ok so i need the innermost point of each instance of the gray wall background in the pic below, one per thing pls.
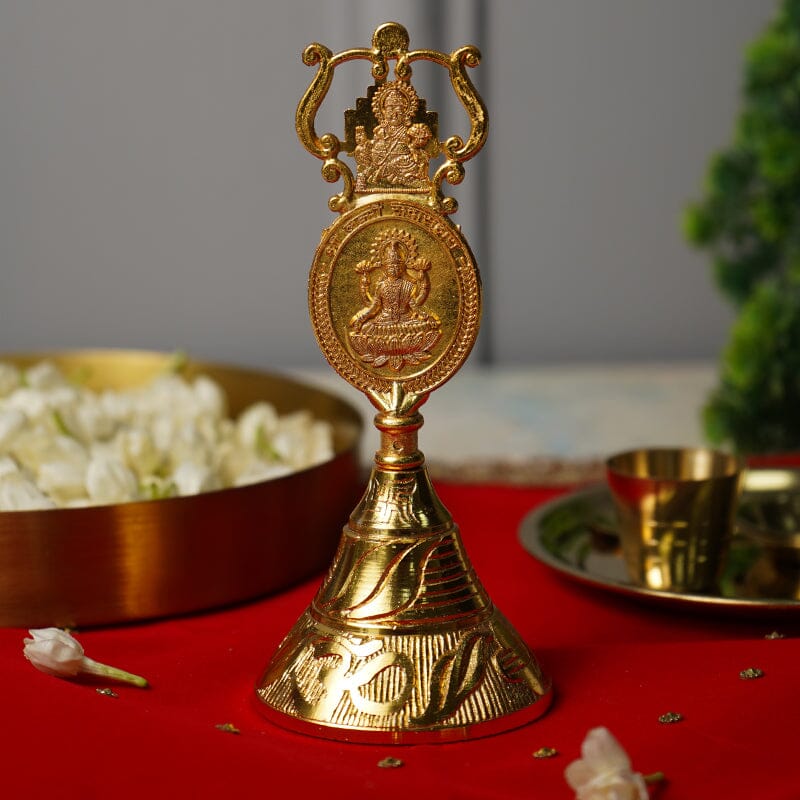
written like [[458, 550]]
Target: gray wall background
[[153, 192]]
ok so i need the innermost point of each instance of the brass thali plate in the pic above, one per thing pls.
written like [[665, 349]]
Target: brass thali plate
[[576, 535], [141, 560]]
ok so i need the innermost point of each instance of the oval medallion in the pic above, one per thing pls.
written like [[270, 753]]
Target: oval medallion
[[394, 296]]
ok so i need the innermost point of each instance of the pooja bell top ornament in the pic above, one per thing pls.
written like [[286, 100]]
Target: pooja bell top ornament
[[401, 642], [394, 292]]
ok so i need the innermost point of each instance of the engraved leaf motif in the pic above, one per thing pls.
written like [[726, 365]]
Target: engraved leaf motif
[[371, 671], [395, 589], [455, 675]]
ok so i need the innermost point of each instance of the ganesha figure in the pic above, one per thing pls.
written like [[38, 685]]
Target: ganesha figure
[[398, 153], [393, 328]]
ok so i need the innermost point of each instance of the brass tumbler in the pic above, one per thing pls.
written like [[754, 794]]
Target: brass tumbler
[[675, 508]]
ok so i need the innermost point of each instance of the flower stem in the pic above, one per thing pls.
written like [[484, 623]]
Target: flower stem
[[96, 668], [654, 777]]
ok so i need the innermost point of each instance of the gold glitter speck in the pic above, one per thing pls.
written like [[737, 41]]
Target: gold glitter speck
[[227, 727], [545, 752], [107, 692], [774, 635], [390, 763], [751, 673], [670, 717]]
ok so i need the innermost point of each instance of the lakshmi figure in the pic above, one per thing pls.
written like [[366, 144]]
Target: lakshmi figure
[[397, 154], [393, 328]]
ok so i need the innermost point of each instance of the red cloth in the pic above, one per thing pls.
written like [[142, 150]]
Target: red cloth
[[614, 662]]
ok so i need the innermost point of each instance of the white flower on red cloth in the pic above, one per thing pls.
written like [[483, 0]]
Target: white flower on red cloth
[[56, 652], [604, 771]]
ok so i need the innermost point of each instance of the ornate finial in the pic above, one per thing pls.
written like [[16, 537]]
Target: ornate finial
[[390, 135]]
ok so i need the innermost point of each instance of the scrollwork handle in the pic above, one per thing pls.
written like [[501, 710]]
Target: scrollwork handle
[[326, 147], [390, 41], [456, 150]]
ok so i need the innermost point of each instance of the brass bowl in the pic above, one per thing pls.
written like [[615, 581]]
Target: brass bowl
[[141, 560]]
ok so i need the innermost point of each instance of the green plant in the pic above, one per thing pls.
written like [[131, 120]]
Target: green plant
[[749, 221]]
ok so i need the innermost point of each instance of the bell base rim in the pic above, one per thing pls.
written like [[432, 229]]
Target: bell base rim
[[442, 734]]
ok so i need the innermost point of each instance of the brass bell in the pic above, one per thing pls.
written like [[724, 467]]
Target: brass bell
[[401, 643]]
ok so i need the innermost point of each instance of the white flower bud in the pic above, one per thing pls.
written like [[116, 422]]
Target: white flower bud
[[118, 405], [191, 478], [56, 652], [232, 460], [112, 449], [162, 429], [209, 397], [139, 451], [258, 471], [10, 378], [12, 421], [44, 375], [189, 444], [31, 402], [171, 392], [296, 440], [17, 493], [290, 446], [108, 481], [256, 421], [8, 466], [93, 421], [78, 502], [62, 480], [604, 771], [39, 446], [33, 446], [60, 396]]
